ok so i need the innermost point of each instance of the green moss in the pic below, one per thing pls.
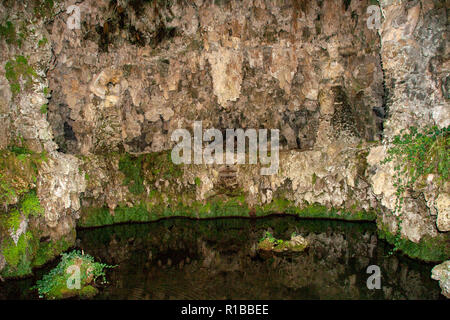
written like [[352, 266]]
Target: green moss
[[44, 108], [19, 69], [47, 251], [42, 42], [44, 8], [197, 181], [18, 256], [132, 169], [88, 292], [428, 249], [282, 205], [159, 165], [14, 219], [18, 172], [94, 217], [147, 167], [8, 32], [155, 207], [7, 192], [61, 282], [29, 252], [30, 205], [314, 178]]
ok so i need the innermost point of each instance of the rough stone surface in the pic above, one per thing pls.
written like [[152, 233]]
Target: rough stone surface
[[332, 178], [443, 216], [136, 71], [59, 186], [442, 273], [247, 64], [415, 53], [415, 58]]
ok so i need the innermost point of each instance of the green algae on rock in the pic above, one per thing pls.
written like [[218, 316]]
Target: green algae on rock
[[441, 273], [296, 244], [18, 172], [214, 208], [20, 239], [22, 213], [75, 275], [431, 249]]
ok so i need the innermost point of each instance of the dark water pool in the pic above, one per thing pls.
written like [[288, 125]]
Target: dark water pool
[[217, 259]]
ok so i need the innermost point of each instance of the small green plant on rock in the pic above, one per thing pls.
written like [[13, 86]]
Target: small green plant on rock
[[8, 32], [17, 69], [269, 243], [131, 167], [18, 172], [416, 154], [44, 108], [31, 205], [42, 42], [75, 275]]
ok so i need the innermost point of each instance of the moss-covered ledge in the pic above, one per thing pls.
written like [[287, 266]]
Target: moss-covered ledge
[[147, 211], [150, 187], [430, 249], [23, 245]]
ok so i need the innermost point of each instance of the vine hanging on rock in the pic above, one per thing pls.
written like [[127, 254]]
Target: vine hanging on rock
[[416, 154]]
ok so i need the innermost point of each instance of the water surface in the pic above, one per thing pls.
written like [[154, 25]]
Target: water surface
[[218, 259]]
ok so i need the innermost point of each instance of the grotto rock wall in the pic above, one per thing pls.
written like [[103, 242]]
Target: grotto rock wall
[[415, 57], [39, 187], [87, 114], [133, 74]]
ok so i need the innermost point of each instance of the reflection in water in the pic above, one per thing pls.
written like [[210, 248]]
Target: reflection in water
[[217, 259]]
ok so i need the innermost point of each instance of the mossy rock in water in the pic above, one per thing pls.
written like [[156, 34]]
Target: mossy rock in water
[[74, 276], [88, 292], [265, 245], [429, 249], [296, 244]]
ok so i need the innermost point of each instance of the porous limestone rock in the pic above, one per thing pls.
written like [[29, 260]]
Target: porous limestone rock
[[262, 63], [59, 186], [136, 71], [443, 215], [441, 273], [413, 39]]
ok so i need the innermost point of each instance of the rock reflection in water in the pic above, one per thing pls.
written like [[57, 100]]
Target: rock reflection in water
[[218, 259]]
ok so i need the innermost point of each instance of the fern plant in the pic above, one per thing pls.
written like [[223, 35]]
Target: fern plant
[[54, 284], [416, 154]]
